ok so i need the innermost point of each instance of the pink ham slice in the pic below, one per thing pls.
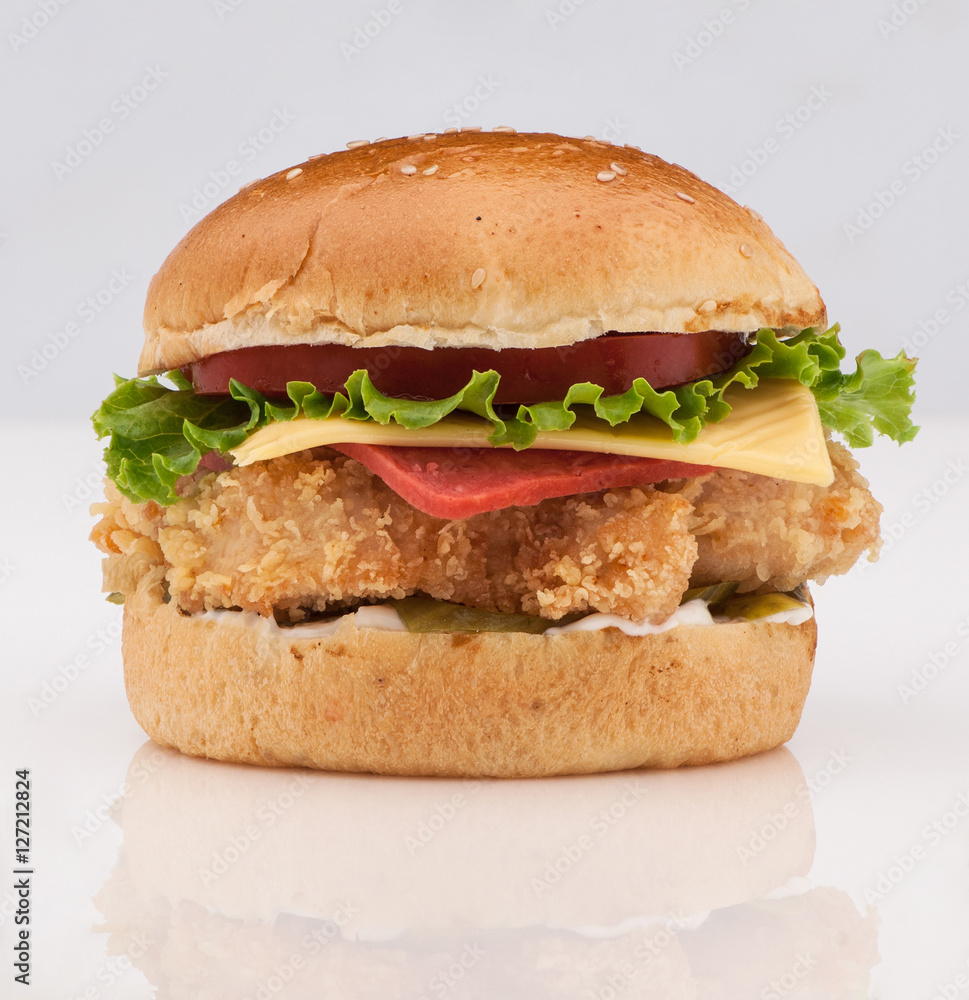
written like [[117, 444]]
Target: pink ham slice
[[455, 483], [212, 461]]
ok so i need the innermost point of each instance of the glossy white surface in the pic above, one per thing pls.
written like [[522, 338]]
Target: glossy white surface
[[813, 113], [156, 869]]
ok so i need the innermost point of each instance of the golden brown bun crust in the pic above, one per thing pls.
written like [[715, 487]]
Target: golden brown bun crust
[[511, 241], [502, 705]]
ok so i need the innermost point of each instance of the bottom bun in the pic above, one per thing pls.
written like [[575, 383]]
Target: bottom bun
[[461, 705]]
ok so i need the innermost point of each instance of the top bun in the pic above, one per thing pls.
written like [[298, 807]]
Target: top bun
[[471, 239]]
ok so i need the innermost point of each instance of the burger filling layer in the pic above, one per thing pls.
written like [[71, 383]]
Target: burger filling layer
[[317, 532]]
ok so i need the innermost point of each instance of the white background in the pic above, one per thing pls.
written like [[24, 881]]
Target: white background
[[728, 98]]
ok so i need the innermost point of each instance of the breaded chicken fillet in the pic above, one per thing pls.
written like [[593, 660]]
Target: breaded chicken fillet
[[316, 531]]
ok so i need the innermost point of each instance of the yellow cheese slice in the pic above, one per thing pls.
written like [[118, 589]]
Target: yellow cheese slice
[[774, 430]]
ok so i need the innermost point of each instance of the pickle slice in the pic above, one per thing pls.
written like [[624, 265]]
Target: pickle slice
[[750, 607], [716, 593], [424, 614]]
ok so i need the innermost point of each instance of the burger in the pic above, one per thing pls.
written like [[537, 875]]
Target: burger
[[483, 454]]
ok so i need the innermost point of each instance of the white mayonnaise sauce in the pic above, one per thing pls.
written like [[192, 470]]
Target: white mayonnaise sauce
[[383, 616]]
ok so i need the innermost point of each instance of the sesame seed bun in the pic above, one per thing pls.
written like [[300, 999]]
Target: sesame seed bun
[[471, 239], [494, 704]]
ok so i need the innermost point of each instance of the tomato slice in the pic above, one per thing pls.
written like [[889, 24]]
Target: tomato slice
[[527, 376]]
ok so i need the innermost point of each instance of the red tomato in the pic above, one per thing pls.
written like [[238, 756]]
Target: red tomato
[[527, 376]]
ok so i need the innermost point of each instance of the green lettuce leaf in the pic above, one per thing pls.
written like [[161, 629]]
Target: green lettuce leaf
[[877, 396], [159, 434]]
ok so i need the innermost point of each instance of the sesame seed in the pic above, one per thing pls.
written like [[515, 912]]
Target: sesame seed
[[416, 135], [383, 138], [316, 156], [295, 172], [408, 169], [707, 307], [430, 136], [756, 215], [470, 128], [453, 128], [504, 128], [355, 143], [477, 279], [605, 175], [619, 169], [685, 197], [558, 152], [589, 138], [629, 145], [745, 250], [430, 170]]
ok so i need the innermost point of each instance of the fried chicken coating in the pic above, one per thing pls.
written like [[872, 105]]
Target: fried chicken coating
[[318, 531], [300, 532], [774, 535]]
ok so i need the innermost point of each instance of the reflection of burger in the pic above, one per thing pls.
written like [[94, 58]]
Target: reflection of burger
[[288, 884], [426, 498]]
